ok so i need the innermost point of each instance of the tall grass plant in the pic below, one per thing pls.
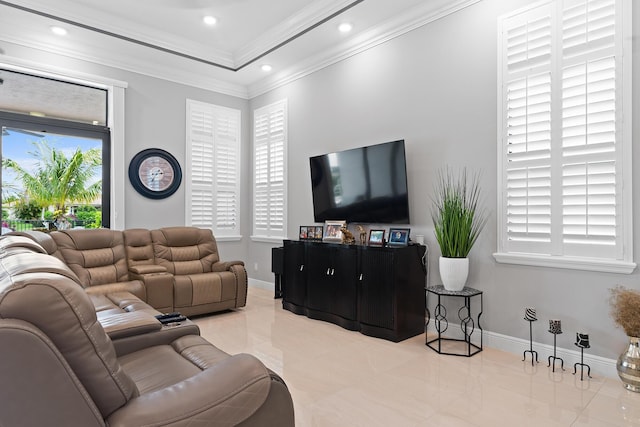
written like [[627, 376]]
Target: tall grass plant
[[457, 217]]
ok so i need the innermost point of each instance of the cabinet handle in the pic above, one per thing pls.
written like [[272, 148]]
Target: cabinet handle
[[332, 271], [302, 267], [328, 271], [360, 277]]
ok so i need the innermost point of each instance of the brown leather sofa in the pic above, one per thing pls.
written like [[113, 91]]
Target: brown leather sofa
[[171, 269], [60, 368]]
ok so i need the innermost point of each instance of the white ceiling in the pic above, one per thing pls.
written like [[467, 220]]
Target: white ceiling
[[168, 39]]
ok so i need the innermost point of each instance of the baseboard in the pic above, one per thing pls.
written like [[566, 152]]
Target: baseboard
[[255, 283], [599, 365]]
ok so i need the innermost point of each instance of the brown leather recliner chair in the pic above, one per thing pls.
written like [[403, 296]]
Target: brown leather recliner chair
[[202, 283], [59, 368]]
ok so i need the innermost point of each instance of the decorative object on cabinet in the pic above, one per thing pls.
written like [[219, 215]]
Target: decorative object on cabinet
[[582, 342], [376, 237], [155, 173], [333, 231], [625, 306], [363, 234], [555, 328], [304, 232], [458, 220], [399, 236], [310, 232], [530, 316], [347, 236]]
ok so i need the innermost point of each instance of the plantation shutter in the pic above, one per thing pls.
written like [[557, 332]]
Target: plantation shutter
[[589, 164], [527, 45], [213, 178], [561, 169], [270, 137]]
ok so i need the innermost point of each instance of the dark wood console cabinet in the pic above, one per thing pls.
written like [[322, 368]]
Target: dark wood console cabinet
[[378, 291]]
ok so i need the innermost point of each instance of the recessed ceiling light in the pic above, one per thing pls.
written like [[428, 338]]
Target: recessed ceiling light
[[210, 20], [345, 27], [266, 68], [59, 31]]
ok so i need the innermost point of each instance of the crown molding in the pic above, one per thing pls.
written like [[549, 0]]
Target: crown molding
[[165, 70], [388, 30], [296, 24], [85, 17]]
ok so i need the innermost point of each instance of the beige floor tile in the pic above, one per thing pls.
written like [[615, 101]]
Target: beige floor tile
[[343, 378]]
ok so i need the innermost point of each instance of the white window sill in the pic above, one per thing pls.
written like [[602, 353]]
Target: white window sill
[[267, 239], [573, 263], [228, 238]]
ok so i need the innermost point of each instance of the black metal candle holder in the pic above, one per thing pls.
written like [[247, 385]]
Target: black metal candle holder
[[582, 342], [555, 328], [530, 316]]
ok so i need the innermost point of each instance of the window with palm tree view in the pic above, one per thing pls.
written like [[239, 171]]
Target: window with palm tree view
[[51, 180]]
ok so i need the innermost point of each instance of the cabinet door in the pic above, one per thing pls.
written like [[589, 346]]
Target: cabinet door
[[377, 289], [345, 286], [320, 286], [294, 279]]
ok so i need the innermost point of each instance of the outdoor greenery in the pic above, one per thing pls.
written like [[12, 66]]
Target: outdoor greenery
[[457, 217], [56, 182]]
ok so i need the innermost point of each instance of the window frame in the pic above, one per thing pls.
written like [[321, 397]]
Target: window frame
[[216, 112], [115, 121], [623, 263], [270, 236]]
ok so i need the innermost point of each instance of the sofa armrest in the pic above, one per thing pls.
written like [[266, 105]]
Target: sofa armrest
[[143, 269], [232, 390], [225, 266], [158, 284], [129, 324]]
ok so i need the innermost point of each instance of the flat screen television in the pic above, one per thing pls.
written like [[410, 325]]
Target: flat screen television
[[366, 185]]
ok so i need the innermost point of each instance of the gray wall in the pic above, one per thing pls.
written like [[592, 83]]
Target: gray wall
[[436, 88]]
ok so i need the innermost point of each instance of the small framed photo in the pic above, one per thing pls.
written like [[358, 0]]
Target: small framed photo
[[399, 236], [332, 231], [304, 232], [318, 232], [376, 237]]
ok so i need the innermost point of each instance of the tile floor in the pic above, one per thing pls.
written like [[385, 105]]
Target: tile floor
[[343, 378]]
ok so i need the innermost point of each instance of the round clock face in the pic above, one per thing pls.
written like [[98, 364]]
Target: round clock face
[[155, 173]]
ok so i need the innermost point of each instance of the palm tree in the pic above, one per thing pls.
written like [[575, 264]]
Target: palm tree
[[58, 180]]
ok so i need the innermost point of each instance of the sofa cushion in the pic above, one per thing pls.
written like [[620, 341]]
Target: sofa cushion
[[185, 250]]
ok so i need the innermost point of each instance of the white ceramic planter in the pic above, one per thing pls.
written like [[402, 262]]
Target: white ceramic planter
[[454, 272]]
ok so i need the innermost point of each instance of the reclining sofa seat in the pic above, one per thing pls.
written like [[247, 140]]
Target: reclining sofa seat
[[202, 283], [59, 359], [98, 258]]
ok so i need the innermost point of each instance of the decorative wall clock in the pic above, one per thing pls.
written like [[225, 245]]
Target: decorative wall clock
[[155, 173]]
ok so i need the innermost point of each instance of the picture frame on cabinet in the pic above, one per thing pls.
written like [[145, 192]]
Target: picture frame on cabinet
[[376, 237], [304, 232], [333, 231], [318, 232], [399, 236]]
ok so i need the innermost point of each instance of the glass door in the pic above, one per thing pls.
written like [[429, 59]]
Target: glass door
[[53, 176]]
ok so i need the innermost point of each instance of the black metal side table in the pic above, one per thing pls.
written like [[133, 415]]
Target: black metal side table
[[467, 323]]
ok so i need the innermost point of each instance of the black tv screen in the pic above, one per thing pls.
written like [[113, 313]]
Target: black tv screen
[[367, 184]]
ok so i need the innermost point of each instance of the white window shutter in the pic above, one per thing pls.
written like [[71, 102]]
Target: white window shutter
[[270, 139], [213, 175], [562, 140]]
